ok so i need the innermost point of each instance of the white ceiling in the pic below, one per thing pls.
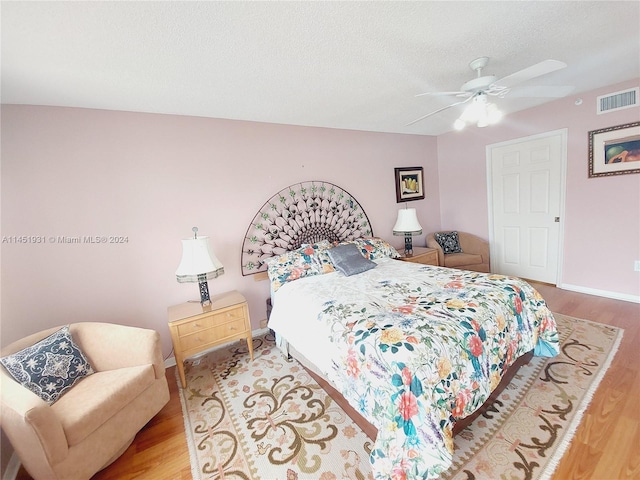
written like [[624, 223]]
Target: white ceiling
[[351, 65]]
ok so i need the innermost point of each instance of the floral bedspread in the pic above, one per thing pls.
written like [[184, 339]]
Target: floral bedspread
[[414, 348]]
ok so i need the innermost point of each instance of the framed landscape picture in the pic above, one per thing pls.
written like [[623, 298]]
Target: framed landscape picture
[[614, 150], [409, 184]]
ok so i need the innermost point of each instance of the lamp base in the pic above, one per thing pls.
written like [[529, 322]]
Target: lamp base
[[408, 246], [205, 300]]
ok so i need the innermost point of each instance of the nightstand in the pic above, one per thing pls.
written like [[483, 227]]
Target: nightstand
[[426, 256], [195, 328]]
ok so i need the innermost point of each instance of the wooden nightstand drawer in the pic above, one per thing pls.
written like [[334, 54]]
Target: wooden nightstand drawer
[[197, 339], [188, 328], [230, 329], [233, 315], [425, 256]]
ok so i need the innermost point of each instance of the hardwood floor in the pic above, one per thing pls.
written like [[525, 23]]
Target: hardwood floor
[[159, 451], [606, 445]]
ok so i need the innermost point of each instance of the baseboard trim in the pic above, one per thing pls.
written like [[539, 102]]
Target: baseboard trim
[[11, 472], [601, 293]]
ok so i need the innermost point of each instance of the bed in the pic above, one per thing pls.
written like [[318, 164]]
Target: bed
[[414, 349]]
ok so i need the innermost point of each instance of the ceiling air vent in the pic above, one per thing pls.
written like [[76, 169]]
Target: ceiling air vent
[[617, 100]]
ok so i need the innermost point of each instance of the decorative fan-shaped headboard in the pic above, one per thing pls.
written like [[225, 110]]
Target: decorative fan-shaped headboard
[[306, 212]]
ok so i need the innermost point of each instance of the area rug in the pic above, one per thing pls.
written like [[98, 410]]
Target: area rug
[[269, 420]]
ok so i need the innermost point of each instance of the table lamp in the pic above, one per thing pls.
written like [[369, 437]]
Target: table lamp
[[198, 264], [407, 225]]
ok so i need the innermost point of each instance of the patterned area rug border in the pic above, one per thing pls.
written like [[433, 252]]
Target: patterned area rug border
[[585, 361], [477, 453], [570, 431], [188, 430]]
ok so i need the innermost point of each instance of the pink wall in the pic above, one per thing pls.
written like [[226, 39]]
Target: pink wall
[[69, 172], [151, 178], [602, 216]]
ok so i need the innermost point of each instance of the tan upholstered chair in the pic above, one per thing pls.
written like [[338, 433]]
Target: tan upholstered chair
[[474, 256], [95, 421]]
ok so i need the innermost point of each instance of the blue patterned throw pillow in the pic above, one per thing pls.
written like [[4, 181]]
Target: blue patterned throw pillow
[[449, 242], [50, 367]]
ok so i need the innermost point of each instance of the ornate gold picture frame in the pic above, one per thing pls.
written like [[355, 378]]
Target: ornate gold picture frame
[[614, 150]]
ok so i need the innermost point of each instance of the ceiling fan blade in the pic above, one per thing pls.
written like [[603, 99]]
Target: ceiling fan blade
[[541, 91], [438, 94], [437, 111], [528, 73]]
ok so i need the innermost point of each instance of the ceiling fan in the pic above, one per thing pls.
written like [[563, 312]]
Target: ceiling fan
[[483, 86]]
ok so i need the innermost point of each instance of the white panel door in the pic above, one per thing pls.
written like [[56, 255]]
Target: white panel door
[[526, 185]]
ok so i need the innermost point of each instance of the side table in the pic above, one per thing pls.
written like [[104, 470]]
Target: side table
[[195, 328]]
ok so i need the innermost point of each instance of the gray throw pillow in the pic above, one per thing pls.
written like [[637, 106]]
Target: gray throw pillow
[[348, 259]]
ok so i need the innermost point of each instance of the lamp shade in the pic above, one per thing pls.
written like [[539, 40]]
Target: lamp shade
[[198, 261], [407, 223]]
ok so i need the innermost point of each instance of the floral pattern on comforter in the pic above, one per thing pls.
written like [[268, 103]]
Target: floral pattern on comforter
[[425, 349]]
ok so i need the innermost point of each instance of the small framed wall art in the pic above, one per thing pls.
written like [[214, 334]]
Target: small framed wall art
[[614, 150], [409, 184]]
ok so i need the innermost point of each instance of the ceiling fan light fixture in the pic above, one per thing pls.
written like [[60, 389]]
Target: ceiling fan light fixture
[[475, 92], [480, 112]]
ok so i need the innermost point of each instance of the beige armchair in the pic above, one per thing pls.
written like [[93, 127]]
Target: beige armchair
[[474, 256], [95, 421]]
